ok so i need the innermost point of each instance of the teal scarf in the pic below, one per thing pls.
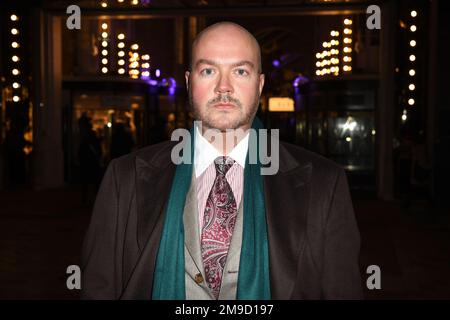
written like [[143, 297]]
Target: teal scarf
[[253, 279]]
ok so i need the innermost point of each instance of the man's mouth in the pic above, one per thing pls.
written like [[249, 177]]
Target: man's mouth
[[222, 105]]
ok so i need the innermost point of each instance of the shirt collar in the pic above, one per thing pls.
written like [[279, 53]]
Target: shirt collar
[[205, 153]]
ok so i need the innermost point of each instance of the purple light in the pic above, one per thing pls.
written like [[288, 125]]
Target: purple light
[[157, 73], [171, 83], [276, 63], [299, 81]]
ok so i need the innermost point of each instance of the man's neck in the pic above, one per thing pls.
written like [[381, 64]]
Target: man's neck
[[224, 142]]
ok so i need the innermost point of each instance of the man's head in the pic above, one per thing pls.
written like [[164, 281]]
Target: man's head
[[225, 80]]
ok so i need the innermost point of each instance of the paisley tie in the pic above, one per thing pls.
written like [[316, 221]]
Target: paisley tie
[[218, 225]]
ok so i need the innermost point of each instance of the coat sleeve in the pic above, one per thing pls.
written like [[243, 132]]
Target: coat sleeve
[[341, 274], [98, 267]]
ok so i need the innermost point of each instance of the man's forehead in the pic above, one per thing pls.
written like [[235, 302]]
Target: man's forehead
[[232, 62], [225, 59]]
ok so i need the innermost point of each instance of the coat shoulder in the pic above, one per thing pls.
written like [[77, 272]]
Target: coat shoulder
[[156, 155], [304, 156]]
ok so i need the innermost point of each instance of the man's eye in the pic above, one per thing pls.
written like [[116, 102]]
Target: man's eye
[[242, 72], [207, 72]]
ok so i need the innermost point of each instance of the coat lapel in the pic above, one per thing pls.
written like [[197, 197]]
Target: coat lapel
[[153, 183], [191, 229], [154, 175], [287, 196]]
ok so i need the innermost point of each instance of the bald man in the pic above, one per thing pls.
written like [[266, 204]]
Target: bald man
[[216, 228]]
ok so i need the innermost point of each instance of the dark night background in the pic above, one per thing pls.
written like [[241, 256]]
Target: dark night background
[[68, 107]]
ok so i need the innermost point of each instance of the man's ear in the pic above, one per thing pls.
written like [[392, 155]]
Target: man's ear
[[261, 82], [186, 76]]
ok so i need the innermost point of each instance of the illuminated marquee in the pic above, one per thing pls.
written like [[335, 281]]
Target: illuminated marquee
[[281, 104]]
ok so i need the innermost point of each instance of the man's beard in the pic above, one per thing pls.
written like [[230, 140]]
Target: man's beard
[[210, 122]]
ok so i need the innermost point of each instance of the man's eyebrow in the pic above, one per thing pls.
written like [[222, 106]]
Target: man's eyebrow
[[235, 64]]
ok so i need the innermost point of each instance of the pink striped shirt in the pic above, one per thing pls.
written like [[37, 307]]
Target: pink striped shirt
[[205, 171]]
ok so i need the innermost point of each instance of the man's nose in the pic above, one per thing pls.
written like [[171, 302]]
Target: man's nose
[[224, 84]]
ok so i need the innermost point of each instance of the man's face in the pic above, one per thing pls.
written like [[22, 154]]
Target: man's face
[[225, 83]]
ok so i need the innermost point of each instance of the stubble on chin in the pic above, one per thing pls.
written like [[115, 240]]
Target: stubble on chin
[[223, 120]]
